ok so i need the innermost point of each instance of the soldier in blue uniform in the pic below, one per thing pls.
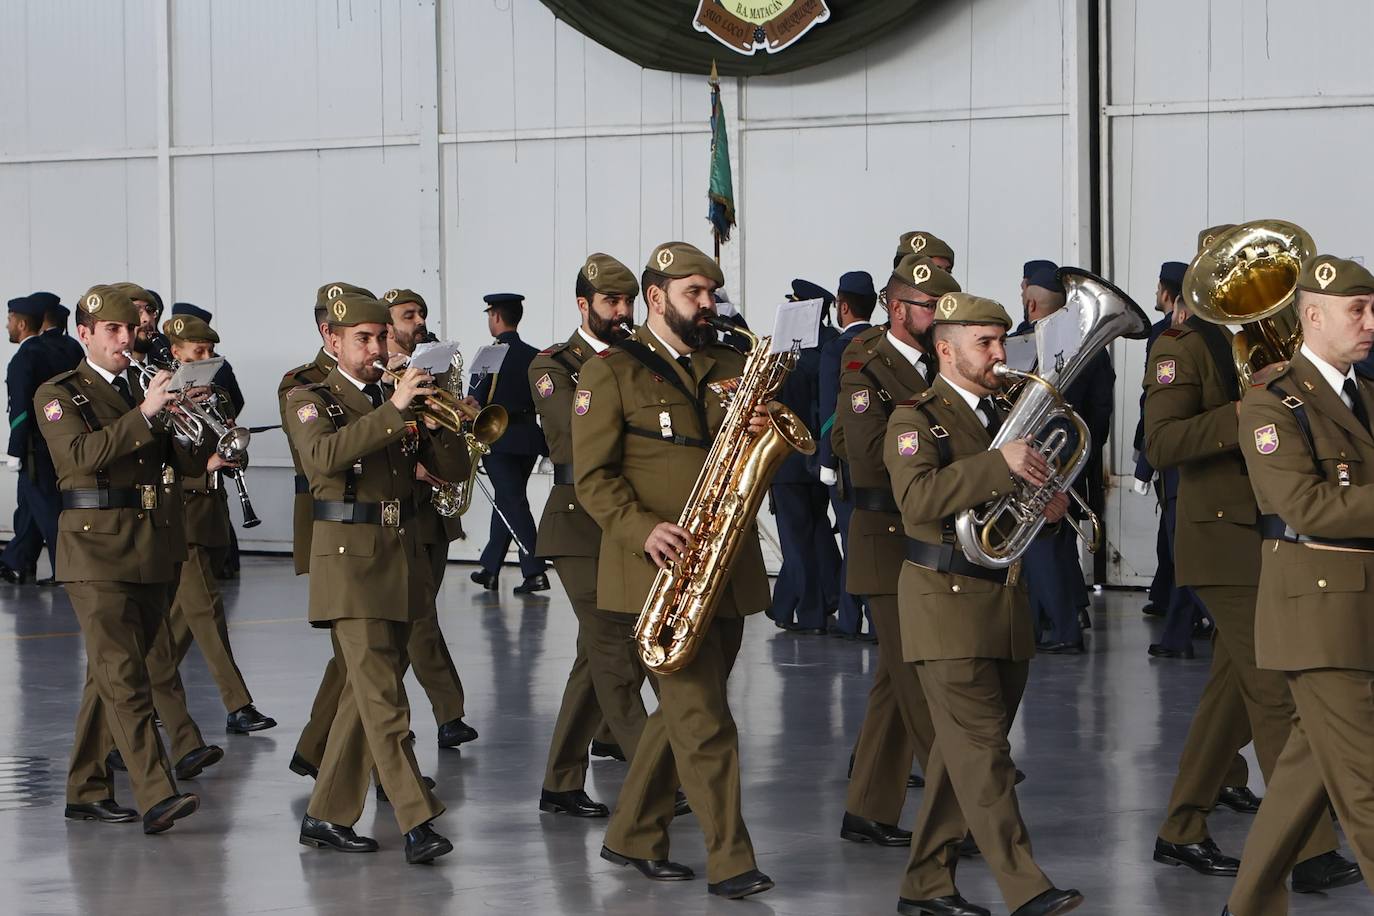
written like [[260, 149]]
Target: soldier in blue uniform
[[64, 349], [515, 454], [807, 587], [855, 300], [35, 515]]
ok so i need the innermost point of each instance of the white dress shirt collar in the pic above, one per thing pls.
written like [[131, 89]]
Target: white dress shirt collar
[[596, 345], [672, 354], [910, 353], [1329, 372]]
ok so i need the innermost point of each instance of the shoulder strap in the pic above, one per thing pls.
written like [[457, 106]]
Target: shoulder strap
[[83, 407], [659, 366], [558, 357], [944, 457], [1220, 350], [336, 414], [884, 397], [1299, 410]]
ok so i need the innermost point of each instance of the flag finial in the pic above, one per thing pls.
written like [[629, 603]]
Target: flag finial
[[715, 77]]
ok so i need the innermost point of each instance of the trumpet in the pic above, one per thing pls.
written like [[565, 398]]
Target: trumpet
[[450, 411]]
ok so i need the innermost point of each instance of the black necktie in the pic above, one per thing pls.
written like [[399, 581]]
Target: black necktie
[[994, 422], [685, 362], [374, 394], [122, 387], [1356, 405]]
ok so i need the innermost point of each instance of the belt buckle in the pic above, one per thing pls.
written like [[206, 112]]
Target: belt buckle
[[1014, 573], [149, 492], [391, 513]]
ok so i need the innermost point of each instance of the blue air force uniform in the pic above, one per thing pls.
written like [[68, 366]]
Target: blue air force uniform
[[38, 504]]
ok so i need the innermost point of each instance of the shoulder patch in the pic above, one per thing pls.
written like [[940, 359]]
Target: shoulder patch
[[908, 444], [52, 411], [544, 385], [1166, 370], [1177, 332], [582, 402], [307, 413], [1269, 373]]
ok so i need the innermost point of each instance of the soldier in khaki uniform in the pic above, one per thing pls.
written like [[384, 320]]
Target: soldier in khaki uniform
[[643, 421], [967, 628], [1191, 406], [881, 367], [369, 576], [116, 556], [924, 245], [197, 609], [604, 683], [1305, 433]]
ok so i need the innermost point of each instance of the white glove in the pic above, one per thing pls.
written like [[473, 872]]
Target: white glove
[[1140, 487], [829, 477], [11, 463]]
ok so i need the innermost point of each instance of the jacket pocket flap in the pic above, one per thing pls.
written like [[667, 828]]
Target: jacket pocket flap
[[1324, 571], [349, 540]]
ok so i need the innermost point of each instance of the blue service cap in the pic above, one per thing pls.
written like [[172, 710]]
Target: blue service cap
[[1030, 267], [1172, 272], [24, 305], [502, 298], [1046, 277], [805, 289], [195, 311], [858, 282], [48, 300]]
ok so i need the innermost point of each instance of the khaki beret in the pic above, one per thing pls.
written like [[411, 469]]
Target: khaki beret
[[331, 291], [679, 259], [609, 277], [107, 303], [189, 327], [1209, 235], [393, 297], [348, 309], [920, 272], [966, 308], [918, 241], [1334, 276], [135, 292]]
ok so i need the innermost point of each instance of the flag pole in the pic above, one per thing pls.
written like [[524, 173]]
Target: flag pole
[[715, 86]]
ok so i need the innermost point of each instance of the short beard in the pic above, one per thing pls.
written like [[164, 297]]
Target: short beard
[[607, 330], [971, 375], [688, 331]]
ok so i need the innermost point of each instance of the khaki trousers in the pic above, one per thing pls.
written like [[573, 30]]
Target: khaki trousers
[[1328, 755], [972, 703]]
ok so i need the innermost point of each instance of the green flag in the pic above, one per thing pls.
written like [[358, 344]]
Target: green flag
[[722, 191]]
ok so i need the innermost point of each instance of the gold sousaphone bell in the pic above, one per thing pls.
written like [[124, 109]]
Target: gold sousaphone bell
[[1249, 276]]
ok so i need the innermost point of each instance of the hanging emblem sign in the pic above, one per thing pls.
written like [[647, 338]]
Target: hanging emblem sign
[[745, 26]]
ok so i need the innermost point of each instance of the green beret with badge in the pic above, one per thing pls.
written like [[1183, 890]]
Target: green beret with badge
[[350, 309], [609, 277], [133, 291], [1334, 276], [395, 297], [331, 291], [676, 260], [919, 272], [108, 303], [918, 241], [966, 308], [189, 328], [1207, 236]]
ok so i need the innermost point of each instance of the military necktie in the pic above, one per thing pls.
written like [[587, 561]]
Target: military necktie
[[374, 394], [1352, 391], [685, 362], [122, 386], [994, 422]]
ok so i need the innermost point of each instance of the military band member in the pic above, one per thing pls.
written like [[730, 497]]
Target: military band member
[[965, 627], [116, 558], [642, 423], [606, 676], [927, 245], [1191, 406], [197, 608], [882, 367], [1307, 443], [369, 576]]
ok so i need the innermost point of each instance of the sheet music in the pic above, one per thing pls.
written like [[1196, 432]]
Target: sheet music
[[487, 360], [434, 357], [797, 324], [195, 375]]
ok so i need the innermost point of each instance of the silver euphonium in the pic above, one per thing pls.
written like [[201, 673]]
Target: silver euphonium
[[1095, 313]]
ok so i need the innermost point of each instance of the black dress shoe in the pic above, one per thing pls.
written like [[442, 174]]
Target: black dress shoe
[[1051, 902], [968, 847], [1203, 629], [1151, 610], [104, 810], [324, 835], [1157, 650], [606, 749], [1325, 872], [915, 782], [751, 882], [175, 807], [576, 803], [455, 732], [49, 582], [857, 829], [190, 766], [247, 719], [485, 579], [381, 793], [1204, 858], [12, 576], [115, 761], [539, 582], [653, 869], [809, 631], [302, 767], [1239, 799], [425, 844], [1061, 648], [681, 807], [953, 905]]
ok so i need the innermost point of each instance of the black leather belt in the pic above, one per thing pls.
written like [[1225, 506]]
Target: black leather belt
[[563, 474], [302, 484], [144, 497], [947, 558], [390, 513], [1273, 528], [874, 499]]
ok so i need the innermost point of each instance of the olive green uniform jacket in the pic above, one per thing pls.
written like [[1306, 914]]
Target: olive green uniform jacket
[[302, 516], [565, 528]]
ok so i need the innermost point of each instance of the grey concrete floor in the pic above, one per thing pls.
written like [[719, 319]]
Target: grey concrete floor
[[1099, 736]]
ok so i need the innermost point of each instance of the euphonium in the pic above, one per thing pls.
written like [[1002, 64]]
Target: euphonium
[[1249, 276], [722, 506], [1095, 313]]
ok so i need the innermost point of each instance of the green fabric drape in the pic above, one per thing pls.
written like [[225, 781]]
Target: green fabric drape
[[658, 34]]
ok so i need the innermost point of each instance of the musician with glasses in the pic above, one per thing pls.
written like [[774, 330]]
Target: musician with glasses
[[965, 627]]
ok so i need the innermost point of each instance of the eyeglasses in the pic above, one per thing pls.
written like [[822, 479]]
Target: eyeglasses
[[888, 303]]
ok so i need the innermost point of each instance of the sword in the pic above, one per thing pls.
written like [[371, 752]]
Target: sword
[[501, 515]]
